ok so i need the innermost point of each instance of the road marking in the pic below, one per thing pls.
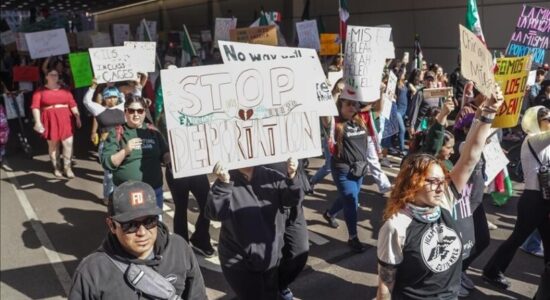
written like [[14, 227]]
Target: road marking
[[45, 242]]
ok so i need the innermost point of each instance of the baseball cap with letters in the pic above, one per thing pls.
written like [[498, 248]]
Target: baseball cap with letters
[[133, 200]]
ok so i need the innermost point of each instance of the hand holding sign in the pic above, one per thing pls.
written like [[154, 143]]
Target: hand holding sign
[[221, 172], [292, 167]]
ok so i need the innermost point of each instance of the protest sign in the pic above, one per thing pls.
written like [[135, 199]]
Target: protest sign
[[47, 43], [532, 78], [333, 77], [391, 124], [308, 36], [144, 55], [314, 83], [243, 114], [146, 31], [121, 33], [364, 61], [11, 108], [443, 92], [495, 159], [512, 76], [532, 34], [206, 36], [25, 73], [21, 42], [81, 69], [113, 64], [476, 62], [222, 29], [389, 95], [101, 39], [330, 44], [7, 37], [264, 35]]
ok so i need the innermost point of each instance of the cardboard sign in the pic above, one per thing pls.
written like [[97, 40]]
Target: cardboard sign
[[47, 43], [333, 77], [389, 95], [21, 42], [364, 61], [206, 36], [308, 35], [113, 64], [15, 107], [330, 44], [314, 84], [512, 76], [81, 69], [121, 33], [438, 92], [532, 34], [25, 73], [495, 159], [222, 29], [243, 114], [476, 62], [101, 39], [264, 35], [7, 37], [144, 55]]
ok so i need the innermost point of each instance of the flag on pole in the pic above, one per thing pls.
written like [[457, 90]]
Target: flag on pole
[[344, 16], [503, 189], [473, 22], [186, 43], [305, 12], [418, 56]]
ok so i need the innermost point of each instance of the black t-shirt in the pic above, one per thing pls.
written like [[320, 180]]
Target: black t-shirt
[[354, 143]]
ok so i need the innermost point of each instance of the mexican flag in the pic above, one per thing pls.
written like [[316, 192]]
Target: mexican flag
[[502, 188], [473, 22], [344, 16], [187, 47]]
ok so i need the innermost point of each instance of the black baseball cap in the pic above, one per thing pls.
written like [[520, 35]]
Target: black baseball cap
[[133, 200]]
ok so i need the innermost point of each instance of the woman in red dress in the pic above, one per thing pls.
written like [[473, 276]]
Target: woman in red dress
[[53, 108]]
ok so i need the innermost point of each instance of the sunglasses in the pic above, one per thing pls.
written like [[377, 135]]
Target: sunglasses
[[133, 111], [133, 226]]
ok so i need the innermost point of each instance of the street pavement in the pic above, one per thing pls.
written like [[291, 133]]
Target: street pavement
[[48, 225]]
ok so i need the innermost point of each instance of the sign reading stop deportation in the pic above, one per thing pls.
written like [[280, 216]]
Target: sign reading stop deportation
[[242, 114], [113, 64], [511, 76]]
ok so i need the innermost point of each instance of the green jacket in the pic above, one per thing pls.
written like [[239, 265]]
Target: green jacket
[[141, 165]]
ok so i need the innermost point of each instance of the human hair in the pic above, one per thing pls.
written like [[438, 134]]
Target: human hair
[[541, 113], [410, 181], [335, 89], [339, 128], [414, 77], [447, 137], [432, 114], [133, 98]]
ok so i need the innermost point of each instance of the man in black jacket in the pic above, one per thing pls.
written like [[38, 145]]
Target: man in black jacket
[[136, 236]]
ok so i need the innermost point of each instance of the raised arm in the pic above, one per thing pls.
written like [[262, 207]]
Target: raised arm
[[94, 108]]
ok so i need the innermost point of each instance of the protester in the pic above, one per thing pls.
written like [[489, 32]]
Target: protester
[[420, 105], [419, 249], [135, 150], [533, 209], [54, 110], [139, 258], [250, 203], [544, 95], [534, 90]]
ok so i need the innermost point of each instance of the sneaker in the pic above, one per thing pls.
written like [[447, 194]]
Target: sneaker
[[205, 250], [286, 294], [491, 225], [393, 152], [499, 280], [356, 245], [463, 292], [385, 162], [331, 220], [466, 282]]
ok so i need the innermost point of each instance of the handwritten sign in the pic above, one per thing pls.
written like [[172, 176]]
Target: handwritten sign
[[121, 33], [308, 35], [476, 62], [47, 43], [206, 36], [146, 31], [144, 55], [81, 69], [113, 64], [333, 77], [330, 44], [21, 42], [101, 39], [314, 84], [264, 35], [25, 73], [495, 159], [243, 114], [222, 29], [512, 76], [532, 34], [389, 95], [7, 37], [364, 61], [438, 92]]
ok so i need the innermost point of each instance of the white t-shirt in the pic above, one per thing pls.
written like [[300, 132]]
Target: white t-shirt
[[541, 144]]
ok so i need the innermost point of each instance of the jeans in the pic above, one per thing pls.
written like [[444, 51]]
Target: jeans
[[402, 131], [108, 185], [349, 189], [325, 169]]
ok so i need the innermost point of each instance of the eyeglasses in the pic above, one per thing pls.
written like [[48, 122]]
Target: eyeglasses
[[133, 111], [134, 225], [435, 183]]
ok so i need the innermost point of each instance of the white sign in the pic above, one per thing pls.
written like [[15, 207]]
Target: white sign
[[389, 95], [21, 42], [532, 78], [141, 31], [7, 37], [144, 55], [47, 43], [243, 114], [11, 109], [206, 36], [333, 77], [308, 35], [314, 84], [113, 64], [101, 39], [223, 26], [495, 159], [476, 62], [365, 57], [121, 33]]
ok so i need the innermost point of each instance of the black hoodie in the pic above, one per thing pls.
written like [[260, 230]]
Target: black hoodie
[[97, 277]]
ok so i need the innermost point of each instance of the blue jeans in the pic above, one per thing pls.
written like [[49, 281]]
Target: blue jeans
[[402, 131], [108, 185], [348, 200], [325, 169]]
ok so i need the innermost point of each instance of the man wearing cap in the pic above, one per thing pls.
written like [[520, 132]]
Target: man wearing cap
[[136, 237], [422, 105]]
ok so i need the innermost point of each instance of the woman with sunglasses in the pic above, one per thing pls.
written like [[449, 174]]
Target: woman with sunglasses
[[135, 150], [533, 211], [419, 247], [54, 110]]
